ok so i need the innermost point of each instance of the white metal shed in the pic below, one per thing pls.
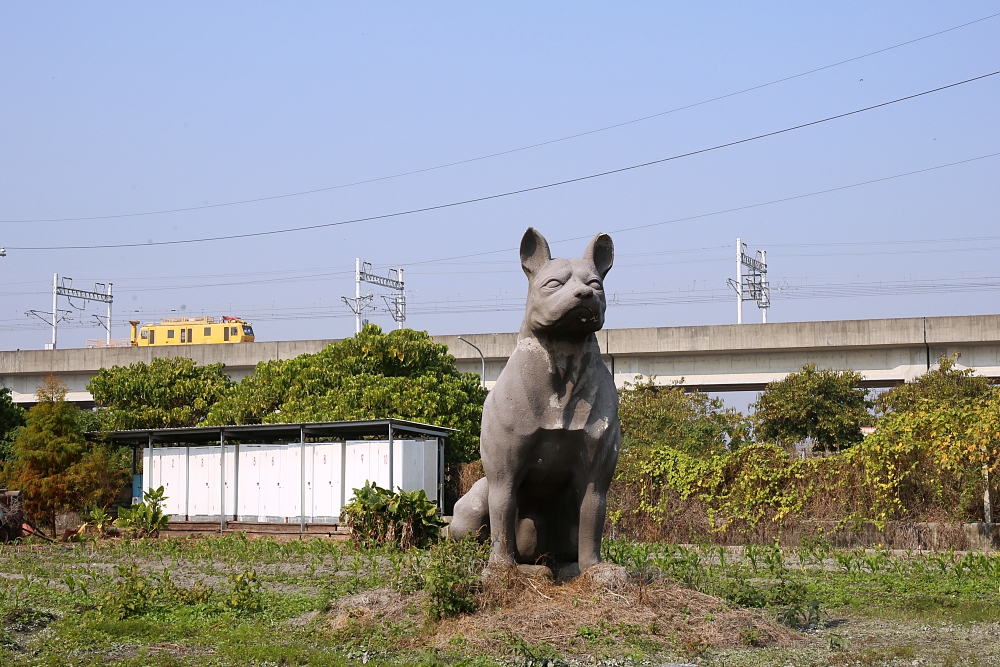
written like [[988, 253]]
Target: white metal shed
[[270, 472]]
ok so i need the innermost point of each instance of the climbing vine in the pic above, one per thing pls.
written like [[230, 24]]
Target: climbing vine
[[935, 450]]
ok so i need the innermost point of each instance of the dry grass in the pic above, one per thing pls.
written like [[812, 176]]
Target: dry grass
[[574, 618], [469, 474]]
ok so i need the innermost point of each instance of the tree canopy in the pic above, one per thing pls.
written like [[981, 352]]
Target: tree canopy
[[826, 405], [402, 374], [166, 393], [52, 463], [944, 384], [668, 416], [11, 417]]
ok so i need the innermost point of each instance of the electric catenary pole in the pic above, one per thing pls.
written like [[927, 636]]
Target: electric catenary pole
[[751, 280], [362, 303], [102, 293]]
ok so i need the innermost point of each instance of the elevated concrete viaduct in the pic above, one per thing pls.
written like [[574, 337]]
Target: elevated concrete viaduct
[[713, 358]]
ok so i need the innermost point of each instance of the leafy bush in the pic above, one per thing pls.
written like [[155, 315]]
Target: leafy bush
[[376, 516], [131, 594], [147, 518], [170, 593], [246, 594], [452, 576]]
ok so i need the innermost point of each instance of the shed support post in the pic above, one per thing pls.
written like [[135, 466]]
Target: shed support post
[[222, 490], [236, 482], [440, 479], [187, 482], [391, 479], [147, 475], [302, 479]]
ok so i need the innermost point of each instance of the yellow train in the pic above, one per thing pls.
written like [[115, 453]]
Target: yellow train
[[192, 330]]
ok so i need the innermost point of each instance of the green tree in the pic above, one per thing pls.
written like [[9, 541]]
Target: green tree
[[668, 416], [166, 393], [11, 418], [826, 405], [54, 466], [944, 384], [402, 374]]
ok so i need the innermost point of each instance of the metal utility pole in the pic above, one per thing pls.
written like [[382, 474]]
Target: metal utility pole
[[395, 304], [55, 308], [110, 299], [766, 291], [751, 285], [739, 282], [359, 304], [357, 294], [106, 323], [101, 293]]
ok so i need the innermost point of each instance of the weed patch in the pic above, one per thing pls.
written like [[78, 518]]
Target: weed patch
[[232, 600]]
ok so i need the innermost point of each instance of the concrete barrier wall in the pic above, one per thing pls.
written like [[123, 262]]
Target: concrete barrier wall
[[717, 357]]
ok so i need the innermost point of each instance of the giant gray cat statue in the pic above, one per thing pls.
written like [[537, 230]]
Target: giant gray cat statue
[[550, 434]]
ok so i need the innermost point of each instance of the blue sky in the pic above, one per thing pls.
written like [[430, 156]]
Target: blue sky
[[118, 108]]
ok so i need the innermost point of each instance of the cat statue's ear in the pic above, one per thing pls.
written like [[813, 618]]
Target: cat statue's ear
[[534, 251], [600, 251]]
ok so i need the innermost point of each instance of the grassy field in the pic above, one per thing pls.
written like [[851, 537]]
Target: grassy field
[[234, 601]]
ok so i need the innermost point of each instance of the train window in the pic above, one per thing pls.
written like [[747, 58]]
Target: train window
[[208, 331], [152, 336], [183, 337], [190, 335], [235, 331], [144, 334], [170, 333], [225, 333], [247, 331]]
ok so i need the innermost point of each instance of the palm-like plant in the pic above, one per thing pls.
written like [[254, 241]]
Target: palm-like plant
[[377, 516]]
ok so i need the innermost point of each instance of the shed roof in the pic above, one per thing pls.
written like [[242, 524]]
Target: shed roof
[[271, 432]]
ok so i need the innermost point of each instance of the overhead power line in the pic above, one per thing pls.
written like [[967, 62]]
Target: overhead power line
[[520, 191], [723, 211], [488, 156], [325, 273]]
